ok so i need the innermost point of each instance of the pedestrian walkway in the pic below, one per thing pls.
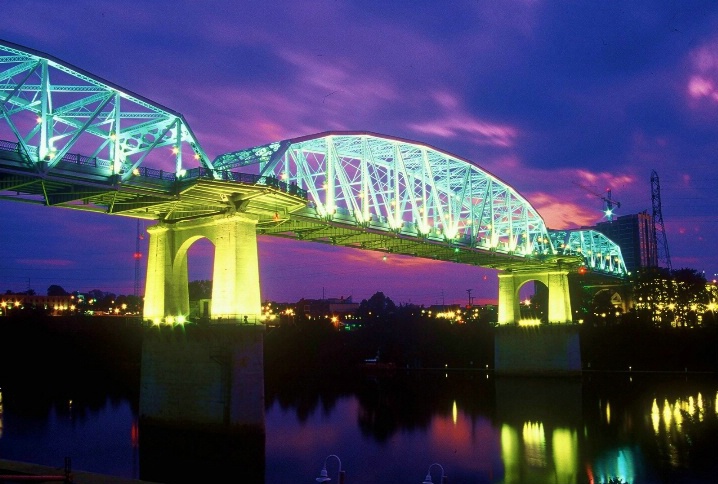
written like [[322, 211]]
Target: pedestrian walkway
[[12, 471]]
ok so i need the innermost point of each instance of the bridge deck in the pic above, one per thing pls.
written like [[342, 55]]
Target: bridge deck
[[281, 210]]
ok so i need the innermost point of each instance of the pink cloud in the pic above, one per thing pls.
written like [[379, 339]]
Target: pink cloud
[[561, 214], [702, 82], [481, 132], [700, 87]]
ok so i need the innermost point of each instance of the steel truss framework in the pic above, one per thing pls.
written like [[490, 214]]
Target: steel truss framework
[[388, 185], [403, 186], [52, 107], [599, 252], [82, 142]]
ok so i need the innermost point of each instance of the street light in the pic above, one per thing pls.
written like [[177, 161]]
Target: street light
[[428, 480], [323, 477]]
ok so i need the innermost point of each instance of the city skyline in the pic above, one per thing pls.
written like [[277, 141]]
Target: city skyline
[[560, 101]]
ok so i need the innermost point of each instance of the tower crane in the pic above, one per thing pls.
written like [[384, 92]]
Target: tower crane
[[609, 202], [659, 231]]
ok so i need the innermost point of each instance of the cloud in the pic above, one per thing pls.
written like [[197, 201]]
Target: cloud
[[702, 82], [479, 132]]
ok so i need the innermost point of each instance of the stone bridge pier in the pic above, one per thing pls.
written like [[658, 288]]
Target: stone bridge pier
[[547, 350], [235, 288], [559, 300]]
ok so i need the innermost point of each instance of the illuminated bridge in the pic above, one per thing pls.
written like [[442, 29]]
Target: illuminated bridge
[[77, 141]]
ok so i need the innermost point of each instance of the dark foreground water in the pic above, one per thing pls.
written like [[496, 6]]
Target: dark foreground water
[[385, 429]]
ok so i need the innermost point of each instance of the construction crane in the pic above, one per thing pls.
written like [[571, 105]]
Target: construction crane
[[609, 202], [659, 231]]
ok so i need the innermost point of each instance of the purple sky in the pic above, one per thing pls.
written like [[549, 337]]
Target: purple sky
[[545, 95]]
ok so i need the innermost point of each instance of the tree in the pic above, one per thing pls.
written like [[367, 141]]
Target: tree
[[690, 292], [201, 289], [55, 290], [378, 307]]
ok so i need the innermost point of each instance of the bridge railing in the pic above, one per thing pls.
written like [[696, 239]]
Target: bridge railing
[[73, 158], [167, 176], [247, 178]]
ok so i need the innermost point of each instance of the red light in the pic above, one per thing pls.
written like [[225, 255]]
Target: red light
[[582, 270], [138, 255]]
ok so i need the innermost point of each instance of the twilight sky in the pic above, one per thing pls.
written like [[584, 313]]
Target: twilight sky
[[546, 95]]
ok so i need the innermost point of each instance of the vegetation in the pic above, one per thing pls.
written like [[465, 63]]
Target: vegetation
[[659, 297]]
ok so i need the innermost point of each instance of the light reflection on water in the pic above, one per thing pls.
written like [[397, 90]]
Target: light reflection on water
[[647, 429]]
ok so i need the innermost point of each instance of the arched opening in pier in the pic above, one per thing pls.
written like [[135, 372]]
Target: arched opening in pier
[[533, 302]]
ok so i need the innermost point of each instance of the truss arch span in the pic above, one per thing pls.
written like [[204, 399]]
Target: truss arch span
[[383, 182], [66, 119]]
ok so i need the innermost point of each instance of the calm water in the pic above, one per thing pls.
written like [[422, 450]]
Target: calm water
[[638, 427]]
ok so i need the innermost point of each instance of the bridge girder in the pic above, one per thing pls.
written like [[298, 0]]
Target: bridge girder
[[303, 225]]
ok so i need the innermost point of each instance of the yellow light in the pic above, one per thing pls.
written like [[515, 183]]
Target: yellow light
[[136, 172], [175, 150], [529, 322], [655, 416], [667, 414]]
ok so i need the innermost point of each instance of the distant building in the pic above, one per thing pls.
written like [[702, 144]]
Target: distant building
[[55, 305], [323, 308], [635, 235]]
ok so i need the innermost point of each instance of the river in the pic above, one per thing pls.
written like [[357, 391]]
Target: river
[[637, 427], [76, 389]]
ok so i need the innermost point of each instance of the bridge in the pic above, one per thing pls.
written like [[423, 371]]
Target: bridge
[[74, 140]]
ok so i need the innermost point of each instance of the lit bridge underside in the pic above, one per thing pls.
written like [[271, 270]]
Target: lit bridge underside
[[80, 142]]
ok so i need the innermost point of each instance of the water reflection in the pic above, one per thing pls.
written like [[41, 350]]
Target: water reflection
[[539, 419], [638, 428], [579, 430]]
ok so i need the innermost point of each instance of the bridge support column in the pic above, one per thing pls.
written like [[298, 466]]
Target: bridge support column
[[235, 287], [509, 310], [559, 300], [159, 268]]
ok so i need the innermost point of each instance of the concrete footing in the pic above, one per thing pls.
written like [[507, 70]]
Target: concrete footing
[[551, 350], [208, 378]]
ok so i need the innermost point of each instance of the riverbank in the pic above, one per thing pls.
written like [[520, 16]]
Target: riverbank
[[12, 471], [113, 346]]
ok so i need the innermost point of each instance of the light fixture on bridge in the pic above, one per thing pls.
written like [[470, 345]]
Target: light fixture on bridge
[[324, 477], [444, 479]]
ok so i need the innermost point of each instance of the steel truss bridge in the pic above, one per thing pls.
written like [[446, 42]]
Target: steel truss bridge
[[75, 140]]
